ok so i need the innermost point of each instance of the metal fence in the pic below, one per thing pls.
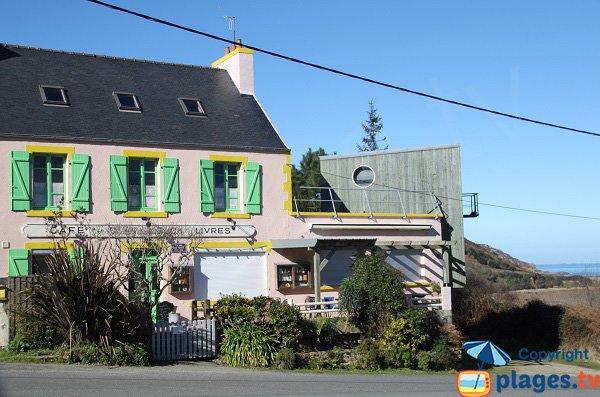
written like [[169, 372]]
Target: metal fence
[[185, 340]]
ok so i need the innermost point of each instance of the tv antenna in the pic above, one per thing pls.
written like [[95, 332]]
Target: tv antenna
[[231, 21]]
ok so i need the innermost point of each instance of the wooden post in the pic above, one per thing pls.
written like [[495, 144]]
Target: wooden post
[[317, 276]]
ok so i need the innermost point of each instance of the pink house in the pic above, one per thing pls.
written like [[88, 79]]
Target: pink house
[[132, 141]]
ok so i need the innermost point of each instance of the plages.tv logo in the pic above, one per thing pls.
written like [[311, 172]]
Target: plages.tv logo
[[479, 383]]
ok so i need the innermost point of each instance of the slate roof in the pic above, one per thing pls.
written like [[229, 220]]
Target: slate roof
[[234, 121]]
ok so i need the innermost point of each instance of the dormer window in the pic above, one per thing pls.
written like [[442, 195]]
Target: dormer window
[[192, 107], [127, 101], [54, 95]]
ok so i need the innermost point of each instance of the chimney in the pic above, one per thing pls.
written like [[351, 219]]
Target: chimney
[[239, 63]]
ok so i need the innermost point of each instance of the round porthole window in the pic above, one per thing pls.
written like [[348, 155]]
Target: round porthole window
[[363, 176]]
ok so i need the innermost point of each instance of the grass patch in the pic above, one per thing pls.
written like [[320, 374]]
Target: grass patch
[[342, 371], [39, 356]]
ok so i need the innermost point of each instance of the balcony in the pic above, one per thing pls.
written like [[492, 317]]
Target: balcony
[[310, 200]]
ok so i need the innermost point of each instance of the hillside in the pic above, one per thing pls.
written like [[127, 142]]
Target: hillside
[[508, 273]]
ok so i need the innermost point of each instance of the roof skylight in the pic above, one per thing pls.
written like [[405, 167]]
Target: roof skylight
[[127, 101], [54, 95], [192, 107]]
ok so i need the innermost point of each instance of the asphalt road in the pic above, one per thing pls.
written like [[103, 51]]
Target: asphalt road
[[207, 379]]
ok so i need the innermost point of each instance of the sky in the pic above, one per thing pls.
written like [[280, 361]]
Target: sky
[[538, 59]]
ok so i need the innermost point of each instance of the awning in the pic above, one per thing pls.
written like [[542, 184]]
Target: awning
[[415, 244], [314, 243], [370, 226]]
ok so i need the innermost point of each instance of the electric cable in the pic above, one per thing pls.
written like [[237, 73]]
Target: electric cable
[[346, 74]]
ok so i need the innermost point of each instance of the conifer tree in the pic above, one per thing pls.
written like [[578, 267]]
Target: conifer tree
[[371, 127]]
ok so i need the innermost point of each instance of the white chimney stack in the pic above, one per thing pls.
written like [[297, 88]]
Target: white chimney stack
[[239, 63]]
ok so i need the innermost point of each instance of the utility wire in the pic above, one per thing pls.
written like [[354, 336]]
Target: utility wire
[[342, 73], [506, 207]]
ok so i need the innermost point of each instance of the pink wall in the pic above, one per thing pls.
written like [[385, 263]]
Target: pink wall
[[274, 223]]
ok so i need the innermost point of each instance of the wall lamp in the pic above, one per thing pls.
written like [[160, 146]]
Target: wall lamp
[[147, 220], [232, 221]]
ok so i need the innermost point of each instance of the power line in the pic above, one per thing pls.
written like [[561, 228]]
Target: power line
[[342, 73], [480, 203]]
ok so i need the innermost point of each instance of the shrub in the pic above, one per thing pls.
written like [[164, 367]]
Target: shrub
[[286, 321], [249, 345], [408, 331], [325, 330], [124, 354], [235, 309], [372, 294], [367, 355], [285, 358], [18, 344]]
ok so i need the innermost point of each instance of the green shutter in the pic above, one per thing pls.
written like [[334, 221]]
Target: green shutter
[[77, 257], [18, 263], [118, 183], [20, 181], [207, 186], [253, 187], [171, 185], [80, 182]]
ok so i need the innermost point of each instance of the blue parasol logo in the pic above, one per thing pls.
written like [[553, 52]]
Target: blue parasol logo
[[486, 352]]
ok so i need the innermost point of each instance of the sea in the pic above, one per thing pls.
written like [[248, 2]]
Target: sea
[[572, 269]]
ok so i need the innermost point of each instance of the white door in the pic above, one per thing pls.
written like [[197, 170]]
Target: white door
[[229, 273]]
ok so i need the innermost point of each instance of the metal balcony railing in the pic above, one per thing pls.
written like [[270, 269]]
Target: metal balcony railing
[[370, 201], [470, 205]]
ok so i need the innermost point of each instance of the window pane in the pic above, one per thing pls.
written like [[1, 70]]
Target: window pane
[[150, 202], [193, 106], [134, 165], [58, 162], [233, 203], [40, 200], [134, 196], [127, 100], [220, 198], [149, 178], [233, 182], [219, 168], [134, 179], [57, 176], [58, 200], [149, 166], [53, 94], [232, 169], [39, 176], [39, 162], [57, 187], [150, 190]]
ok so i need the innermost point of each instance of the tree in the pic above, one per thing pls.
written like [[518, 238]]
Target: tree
[[308, 175], [102, 282], [371, 127]]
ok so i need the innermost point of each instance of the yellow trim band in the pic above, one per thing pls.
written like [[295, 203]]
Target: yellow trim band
[[48, 213], [287, 183], [46, 245], [232, 215], [365, 215], [410, 284], [68, 150], [233, 244], [228, 159], [145, 214], [232, 53], [146, 154]]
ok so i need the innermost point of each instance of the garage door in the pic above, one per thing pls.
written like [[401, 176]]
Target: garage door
[[229, 273]]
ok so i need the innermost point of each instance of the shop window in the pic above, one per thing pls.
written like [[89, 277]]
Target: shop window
[[181, 279], [293, 276]]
